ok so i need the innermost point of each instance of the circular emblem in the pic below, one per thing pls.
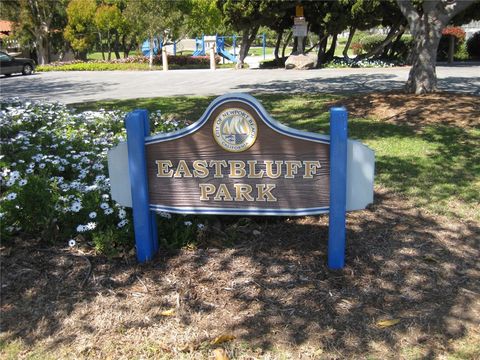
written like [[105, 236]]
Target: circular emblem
[[235, 130]]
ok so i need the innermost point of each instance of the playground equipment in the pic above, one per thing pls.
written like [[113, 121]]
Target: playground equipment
[[157, 46], [202, 43]]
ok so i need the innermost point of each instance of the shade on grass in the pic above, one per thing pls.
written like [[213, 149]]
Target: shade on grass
[[437, 166]]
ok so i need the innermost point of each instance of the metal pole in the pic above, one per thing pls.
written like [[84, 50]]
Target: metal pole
[[143, 220], [263, 45], [338, 187]]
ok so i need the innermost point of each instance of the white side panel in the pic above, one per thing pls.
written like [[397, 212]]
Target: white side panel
[[119, 177], [360, 174]]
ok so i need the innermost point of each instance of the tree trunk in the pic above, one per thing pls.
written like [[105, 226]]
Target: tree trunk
[[451, 48], [422, 77], [101, 46], [150, 60], [116, 46], [41, 52], [351, 33], [331, 52], [426, 28], [394, 45], [277, 44], [247, 39], [286, 44], [322, 47]]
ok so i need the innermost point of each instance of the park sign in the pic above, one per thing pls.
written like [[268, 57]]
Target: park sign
[[237, 160]]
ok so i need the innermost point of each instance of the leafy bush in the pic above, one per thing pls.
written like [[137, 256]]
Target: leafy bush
[[357, 48], [473, 46], [130, 63], [459, 35], [370, 42], [54, 179]]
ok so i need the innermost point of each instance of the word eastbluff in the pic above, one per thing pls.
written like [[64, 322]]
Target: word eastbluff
[[238, 169]]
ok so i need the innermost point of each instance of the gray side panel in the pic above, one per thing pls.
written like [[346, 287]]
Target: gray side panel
[[119, 177], [360, 170]]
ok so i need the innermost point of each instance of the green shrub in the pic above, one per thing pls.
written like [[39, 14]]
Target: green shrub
[[371, 42], [54, 178], [473, 46]]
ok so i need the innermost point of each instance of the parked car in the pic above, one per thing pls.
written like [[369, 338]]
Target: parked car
[[10, 65]]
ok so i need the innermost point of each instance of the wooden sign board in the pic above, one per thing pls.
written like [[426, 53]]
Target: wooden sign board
[[237, 160]]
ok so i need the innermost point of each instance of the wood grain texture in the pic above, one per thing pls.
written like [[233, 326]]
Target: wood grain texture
[[270, 145]]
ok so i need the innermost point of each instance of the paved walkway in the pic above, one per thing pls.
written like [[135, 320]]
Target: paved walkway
[[71, 87]]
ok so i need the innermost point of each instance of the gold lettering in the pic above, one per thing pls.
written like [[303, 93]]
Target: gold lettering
[[269, 169], [200, 169], [182, 168], [251, 170], [264, 192], [292, 168], [218, 164], [242, 192], [206, 190], [223, 193], [311, 168], [162, 168], [237, 169]]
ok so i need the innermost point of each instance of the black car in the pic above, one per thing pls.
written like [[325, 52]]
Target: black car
[[10, 65]]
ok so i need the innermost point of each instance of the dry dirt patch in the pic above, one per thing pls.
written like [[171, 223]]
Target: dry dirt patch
[[272, 292], [438, 108]]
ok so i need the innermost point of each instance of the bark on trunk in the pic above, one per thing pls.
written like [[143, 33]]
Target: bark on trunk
[[277, 44], [116, 46], [351, 33], [426, 27], [422, 77], [286, 44], [331, 52], [321, 50], [247, 39]]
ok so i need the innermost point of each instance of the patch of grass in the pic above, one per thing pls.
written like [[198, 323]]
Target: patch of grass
[[436, 165]]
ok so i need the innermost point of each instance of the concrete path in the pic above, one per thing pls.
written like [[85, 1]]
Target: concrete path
[[71, 87]]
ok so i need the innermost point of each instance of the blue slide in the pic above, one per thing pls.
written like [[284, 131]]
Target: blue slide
[[221, 50]]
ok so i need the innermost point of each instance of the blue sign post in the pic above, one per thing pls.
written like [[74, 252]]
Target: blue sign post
[[267, 169]]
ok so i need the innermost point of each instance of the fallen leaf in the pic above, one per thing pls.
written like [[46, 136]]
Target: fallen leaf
[[222, 338], [220, 354], [430, 258], [386, 323], [169, 312]]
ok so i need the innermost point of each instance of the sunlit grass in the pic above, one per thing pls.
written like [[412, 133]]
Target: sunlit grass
[[437, 166]]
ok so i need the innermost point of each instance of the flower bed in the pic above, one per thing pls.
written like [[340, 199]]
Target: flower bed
[[54, 178], [131, 63]]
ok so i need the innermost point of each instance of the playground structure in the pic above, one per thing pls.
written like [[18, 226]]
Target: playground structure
[[157, 46], [203, 43], [202, 46]]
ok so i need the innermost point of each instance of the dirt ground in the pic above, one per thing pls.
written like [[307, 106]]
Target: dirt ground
[[410, 289]]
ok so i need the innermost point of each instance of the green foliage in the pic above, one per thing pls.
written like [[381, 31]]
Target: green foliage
[[473, 46], [370, 42], [80, 29], [205, 18]]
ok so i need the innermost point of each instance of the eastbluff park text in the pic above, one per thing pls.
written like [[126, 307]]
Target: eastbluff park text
[[238, 169]]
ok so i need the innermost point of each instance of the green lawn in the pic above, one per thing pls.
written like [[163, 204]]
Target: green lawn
[[437, 165]]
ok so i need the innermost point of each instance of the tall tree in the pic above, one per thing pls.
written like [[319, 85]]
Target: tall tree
[[153, 18], [80, 30], [245, 17], [426, 20], [37, 21], [108, 20]]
